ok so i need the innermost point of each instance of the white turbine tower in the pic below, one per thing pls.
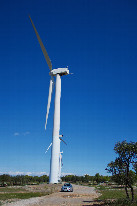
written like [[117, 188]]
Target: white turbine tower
[[55, 162]]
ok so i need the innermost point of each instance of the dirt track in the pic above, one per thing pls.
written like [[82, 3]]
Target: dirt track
[[81, 195]]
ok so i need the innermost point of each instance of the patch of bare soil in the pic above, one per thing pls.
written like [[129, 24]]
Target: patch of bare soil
[[51, 188]]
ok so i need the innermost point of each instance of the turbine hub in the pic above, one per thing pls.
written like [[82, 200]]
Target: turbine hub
[[61, 71]]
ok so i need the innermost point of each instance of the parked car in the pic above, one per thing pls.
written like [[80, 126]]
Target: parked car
[[67, 187]]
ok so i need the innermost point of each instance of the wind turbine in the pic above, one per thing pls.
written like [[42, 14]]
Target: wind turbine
[[55, 162]]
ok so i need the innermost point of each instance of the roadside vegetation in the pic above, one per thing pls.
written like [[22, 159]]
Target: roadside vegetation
[[91, 180], [124, 168], [115, 195], [8, 180]]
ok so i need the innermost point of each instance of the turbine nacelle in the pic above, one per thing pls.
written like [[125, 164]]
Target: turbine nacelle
[[60, 71]]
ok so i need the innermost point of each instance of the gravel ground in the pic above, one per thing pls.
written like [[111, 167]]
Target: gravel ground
[[82, 195]]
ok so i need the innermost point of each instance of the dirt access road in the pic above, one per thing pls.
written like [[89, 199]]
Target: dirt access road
[[82, 195]]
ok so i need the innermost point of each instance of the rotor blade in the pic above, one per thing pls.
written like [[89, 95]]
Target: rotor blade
[[48, 148], [42, 46], [62, 140], [49, 99]]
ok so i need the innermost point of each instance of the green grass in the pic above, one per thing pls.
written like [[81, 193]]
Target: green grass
[[116, 197], [6, 196], [10, 193], [101, 187], [121, 202], [6, 189], [115, 194], [112, 194]]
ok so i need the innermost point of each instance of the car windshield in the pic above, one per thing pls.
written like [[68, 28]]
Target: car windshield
[[67, 184]]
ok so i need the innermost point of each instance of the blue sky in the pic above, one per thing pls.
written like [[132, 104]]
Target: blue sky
[[97, 40]]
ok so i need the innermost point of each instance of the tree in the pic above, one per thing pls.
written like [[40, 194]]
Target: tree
[[98, 178], [5, 178], [120, 168], [86, 178]]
